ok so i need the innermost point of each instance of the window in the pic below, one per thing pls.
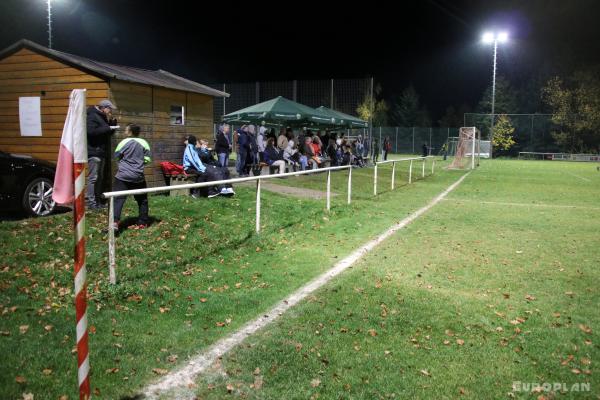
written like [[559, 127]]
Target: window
[[177, 115]]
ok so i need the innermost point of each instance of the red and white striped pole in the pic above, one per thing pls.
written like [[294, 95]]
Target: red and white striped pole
[[83, 361]]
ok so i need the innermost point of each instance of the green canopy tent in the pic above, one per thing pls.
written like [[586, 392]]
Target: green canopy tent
[[342, 119], [280, 111]]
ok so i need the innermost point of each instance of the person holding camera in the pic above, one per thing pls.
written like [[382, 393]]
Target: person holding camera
[[100, 126]]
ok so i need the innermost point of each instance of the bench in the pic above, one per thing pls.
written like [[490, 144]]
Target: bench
[[177, 180]]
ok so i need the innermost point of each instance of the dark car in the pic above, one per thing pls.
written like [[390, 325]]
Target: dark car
[[26, 184]]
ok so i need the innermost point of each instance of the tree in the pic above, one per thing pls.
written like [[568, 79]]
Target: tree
[[575, 105], [454, 118], [374, 109], [505, 101], [503, 133], [406, 110]]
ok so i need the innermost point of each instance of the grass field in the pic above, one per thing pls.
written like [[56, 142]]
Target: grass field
[[499, 283]]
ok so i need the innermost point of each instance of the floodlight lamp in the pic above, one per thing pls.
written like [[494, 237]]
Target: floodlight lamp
[[487, 38], [502, 37]]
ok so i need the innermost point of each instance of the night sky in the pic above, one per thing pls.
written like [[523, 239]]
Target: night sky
[[433, 45]]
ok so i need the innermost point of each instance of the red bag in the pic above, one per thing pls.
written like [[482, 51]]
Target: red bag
[[170, 168]]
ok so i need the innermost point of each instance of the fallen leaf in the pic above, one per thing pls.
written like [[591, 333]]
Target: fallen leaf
[[135, 297], [315, 382], [449, 332], [258, 382], [203, 300], [425, 372], [506, 295], [446, 342], [257, 371], [112, 370], [229, 388], [20, 379], [530, 297], [220, 324], [499, 329], [172, 358], [27, 396], [63, 397], [576, 371], [23, 329], [47, 371], [160, 371], [460, 342], [570, 294], [585, 328], [372, 332], [48, 328]]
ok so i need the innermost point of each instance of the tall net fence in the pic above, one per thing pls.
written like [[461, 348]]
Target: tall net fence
[[344, 95], [533, 132]]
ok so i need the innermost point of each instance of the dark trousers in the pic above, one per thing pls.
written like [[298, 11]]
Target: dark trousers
[[142, 199], [212, 173]]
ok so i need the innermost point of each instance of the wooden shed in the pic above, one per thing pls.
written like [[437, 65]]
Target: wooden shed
[[166, 106]]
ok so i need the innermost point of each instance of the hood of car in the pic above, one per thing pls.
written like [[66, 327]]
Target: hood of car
[[28, 161]]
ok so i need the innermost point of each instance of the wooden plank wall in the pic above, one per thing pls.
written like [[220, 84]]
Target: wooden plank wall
[[150, 107], [26, 73]]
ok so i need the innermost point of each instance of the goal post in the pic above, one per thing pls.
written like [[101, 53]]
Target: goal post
[[466, 148]]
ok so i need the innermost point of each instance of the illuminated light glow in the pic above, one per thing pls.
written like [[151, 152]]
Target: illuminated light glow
[[487, 37], [502, 37]]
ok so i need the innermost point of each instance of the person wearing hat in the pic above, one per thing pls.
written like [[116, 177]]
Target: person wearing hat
[[100, 126]]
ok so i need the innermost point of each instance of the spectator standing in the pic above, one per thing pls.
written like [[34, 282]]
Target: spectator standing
[[100, 126], [223, 145], [132, 153]]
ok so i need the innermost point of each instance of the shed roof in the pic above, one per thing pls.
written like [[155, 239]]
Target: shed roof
[[159, 78]]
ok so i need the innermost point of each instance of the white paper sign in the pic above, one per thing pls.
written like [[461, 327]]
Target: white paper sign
[[30, 116]]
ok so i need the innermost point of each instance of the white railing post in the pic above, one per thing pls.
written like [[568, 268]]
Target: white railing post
[[410, 172], [112, 275], [257, 205], [423, 174], [433, 166], [393, 173], [349, 183], [375, 181], [328, 190]]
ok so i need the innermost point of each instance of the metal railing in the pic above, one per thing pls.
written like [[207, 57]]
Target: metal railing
[[111, 196], [410, 168]]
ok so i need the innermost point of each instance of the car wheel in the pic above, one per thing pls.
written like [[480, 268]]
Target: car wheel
[[37, 199]]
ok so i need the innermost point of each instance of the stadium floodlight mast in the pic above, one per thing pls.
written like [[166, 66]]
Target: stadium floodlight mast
[[49, 6], [494, 38]]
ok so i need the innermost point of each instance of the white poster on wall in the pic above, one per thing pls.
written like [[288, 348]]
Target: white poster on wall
[[30, 116]]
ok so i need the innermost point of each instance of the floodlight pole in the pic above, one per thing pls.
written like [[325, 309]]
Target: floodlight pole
[[493, 96], [49, 24]]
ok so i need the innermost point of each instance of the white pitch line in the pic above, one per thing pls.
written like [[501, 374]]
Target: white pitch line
[[577, 176], [183, 379], [501, 203]]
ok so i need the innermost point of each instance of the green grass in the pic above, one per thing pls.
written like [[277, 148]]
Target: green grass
[[198, 273], [475, 295]]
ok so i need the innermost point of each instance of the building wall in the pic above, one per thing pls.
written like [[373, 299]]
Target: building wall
[[150, 107], [26, 73]]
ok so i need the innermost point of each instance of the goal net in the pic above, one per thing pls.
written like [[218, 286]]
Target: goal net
[[466, 148]]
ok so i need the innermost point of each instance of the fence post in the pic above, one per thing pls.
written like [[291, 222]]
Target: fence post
[[393, 173], [423, 174], [375, 181], [258, 205], [410, 172], [328, 190], [433, 167], [396, 140], [349, 183], [413, 139], [112, 276]]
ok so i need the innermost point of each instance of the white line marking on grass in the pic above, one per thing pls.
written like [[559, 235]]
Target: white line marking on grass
[[500, 203], [577, 176], [183, 379]]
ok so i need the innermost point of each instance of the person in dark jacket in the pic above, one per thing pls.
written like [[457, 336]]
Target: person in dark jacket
[[222, 145], [133, 153], [100, 126], [425, 149], [273, 156]]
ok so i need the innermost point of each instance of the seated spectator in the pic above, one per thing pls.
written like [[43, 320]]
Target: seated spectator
[[291, 155], [282, 140], [192, 164], [309, 152], [273, 157], [357, 153], [332, 153], [206, 155], [347, 157]]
